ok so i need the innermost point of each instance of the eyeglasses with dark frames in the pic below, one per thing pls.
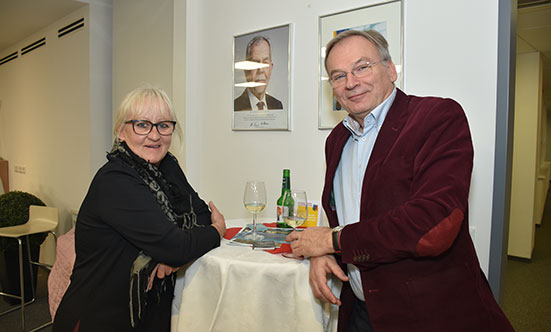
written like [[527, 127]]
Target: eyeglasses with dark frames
[[144, 127]]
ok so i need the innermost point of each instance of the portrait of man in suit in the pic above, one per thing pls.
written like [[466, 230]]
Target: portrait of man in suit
[[255, 98]]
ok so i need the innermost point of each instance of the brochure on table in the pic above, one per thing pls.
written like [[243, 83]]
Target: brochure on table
[[273, 237]]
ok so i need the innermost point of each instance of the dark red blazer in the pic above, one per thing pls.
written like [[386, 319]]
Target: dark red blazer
[[418, 265]]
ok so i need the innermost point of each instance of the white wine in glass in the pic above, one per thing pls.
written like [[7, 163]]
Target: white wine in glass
[[254, 200], [255, 207], [297, 212]]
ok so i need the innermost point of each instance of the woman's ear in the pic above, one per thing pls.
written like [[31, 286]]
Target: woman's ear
[[120, 135]]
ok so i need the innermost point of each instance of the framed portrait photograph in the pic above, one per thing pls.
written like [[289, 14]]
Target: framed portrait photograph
[[261, 79], [386, 19]]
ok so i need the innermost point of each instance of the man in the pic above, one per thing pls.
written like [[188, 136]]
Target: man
[[396, 188], [255, 98]]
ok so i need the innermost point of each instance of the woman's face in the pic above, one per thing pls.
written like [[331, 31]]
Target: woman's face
[[152, 147]]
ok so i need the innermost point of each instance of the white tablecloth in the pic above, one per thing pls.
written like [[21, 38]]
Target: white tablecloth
[[234, 288]]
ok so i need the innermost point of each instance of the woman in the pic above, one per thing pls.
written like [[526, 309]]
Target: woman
[[140, 220]]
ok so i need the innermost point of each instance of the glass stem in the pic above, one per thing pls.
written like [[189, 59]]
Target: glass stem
[[254, 225]]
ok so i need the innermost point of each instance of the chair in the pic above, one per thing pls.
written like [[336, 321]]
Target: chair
[[60, 275], [42, 219]]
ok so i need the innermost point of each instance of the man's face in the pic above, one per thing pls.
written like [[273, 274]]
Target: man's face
[[359, 96], [260, 52]]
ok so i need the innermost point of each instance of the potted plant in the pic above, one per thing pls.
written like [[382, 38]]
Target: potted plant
[[14, 210]]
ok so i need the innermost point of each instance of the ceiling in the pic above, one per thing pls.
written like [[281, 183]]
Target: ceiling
[[534, 34], [21, 18]]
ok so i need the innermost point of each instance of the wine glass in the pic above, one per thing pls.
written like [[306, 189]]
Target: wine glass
[[254, 200], [295, 209]]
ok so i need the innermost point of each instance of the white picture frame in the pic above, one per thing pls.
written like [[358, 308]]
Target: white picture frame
[[278, 90], [386, 18]]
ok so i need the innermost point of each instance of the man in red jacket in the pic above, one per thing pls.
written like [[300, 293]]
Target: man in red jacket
[[396, 190]]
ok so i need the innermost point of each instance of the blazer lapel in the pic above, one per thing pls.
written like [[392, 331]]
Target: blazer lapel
[[341, 135], [342, 138], [394, 122]]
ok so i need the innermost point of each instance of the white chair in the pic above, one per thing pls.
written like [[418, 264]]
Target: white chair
[[42, 219]]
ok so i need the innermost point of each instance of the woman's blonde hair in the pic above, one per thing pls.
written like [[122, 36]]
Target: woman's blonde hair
[[143, 99]]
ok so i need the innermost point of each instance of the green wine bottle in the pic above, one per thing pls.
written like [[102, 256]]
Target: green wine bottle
[[285, 186]]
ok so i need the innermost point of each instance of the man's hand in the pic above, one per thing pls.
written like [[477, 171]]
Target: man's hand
[[217, 219], [311, 242], [320, 268]]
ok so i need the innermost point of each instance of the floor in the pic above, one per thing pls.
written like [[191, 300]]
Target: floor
[[527, 298], [36, 313]]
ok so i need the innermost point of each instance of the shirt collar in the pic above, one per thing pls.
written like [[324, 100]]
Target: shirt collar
[[378, 115], [255, 100]]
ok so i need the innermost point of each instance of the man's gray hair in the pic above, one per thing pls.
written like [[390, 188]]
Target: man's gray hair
[[254, 41], [373, 36]]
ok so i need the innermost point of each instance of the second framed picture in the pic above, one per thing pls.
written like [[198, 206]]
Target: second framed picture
[[386, 19], [261, 79]]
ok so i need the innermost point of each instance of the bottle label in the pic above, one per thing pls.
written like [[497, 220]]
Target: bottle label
[[282, 211], [279, 212], [286, 183]]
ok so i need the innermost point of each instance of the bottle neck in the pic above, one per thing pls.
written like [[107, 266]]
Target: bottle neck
[[286, 185]]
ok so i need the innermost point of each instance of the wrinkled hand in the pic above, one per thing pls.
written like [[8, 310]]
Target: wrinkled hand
[[217, 219], [320, 268], [311, 242], [160, 271]]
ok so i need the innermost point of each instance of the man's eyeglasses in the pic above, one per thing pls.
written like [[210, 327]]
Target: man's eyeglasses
[[144, 127], [363, 69]]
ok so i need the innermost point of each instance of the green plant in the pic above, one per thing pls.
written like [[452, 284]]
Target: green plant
[[14, 210]]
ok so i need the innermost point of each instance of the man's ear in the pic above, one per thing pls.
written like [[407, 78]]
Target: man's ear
[[391, 69]]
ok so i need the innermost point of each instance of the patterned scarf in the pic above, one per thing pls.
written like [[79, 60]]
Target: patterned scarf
[[143, 265]]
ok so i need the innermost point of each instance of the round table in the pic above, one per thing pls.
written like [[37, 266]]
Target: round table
[[234, 288]]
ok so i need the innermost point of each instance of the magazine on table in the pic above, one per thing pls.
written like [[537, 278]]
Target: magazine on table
[[273, 237]]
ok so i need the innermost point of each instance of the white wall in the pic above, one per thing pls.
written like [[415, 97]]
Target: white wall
[[142, 46], [450, 50], [525, 194], [100, 52], [143, 51], [53, 112], [45, 126]]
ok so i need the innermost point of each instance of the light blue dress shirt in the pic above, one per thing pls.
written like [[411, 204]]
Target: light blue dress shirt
[[349, 176]]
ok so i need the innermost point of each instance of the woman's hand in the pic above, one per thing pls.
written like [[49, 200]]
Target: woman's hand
[[160, 271], [217, 219]]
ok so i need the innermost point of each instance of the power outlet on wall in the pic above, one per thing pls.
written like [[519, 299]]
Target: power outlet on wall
[[21, 169]]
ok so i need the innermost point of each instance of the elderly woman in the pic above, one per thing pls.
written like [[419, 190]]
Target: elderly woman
[[140, 220]]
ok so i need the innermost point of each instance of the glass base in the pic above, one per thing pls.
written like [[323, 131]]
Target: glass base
[[253, 236], [291, 255]]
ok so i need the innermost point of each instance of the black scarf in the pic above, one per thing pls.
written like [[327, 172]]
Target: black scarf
[[173, 208]]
